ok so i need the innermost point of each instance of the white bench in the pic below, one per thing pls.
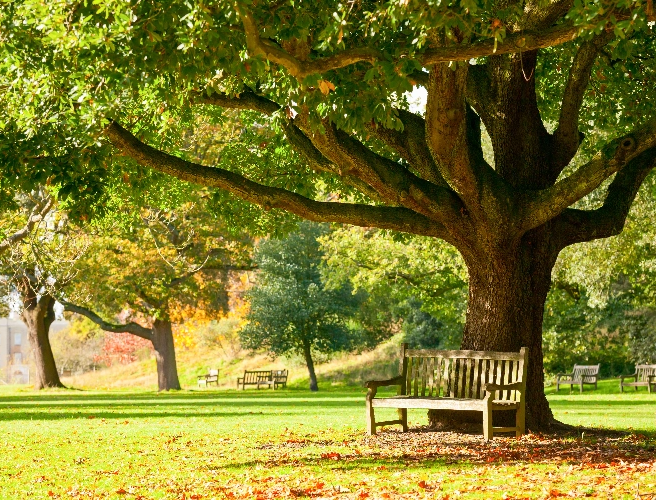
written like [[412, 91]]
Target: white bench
[[211, 378]]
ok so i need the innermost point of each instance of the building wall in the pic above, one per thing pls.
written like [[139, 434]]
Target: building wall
[[15, 349]]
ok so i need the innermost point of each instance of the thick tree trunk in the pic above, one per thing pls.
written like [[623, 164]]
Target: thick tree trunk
[[507, 293], [310, 366], [167, 369], [38, 314]]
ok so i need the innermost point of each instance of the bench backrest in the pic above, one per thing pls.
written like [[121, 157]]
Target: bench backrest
[[279, 375], [460, 374], [586, 372], [251, 377], [214, 373], [643, 372]]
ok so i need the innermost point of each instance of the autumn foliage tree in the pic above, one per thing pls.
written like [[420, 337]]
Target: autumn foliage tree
[[564, 90], [164, 268]]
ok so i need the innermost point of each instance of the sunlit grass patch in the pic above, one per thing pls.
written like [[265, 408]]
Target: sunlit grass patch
[[295, 444]]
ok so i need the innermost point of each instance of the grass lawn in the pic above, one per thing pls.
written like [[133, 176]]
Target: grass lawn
[[294, 444]]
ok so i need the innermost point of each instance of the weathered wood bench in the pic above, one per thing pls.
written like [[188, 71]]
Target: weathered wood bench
[[275, 379], [581, 374], [212, 377], [253, 377], [645, 375], [455, 380]]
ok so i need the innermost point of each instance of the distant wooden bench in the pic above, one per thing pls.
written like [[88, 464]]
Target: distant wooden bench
[[581, 374], [211, 378], [275, 379], [455, 380], [645, 375]]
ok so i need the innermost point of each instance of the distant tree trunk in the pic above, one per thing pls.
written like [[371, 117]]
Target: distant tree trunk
[[310, 366], [38, 314], [167, 369]]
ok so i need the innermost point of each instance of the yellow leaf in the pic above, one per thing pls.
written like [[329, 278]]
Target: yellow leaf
[[325, 86]]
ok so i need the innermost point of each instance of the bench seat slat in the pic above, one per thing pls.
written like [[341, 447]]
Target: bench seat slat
[[439, 403], [430, 403]]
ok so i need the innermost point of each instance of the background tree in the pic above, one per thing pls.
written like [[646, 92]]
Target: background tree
[[291, 310], [329, 80], [167, 267], [38, 260]]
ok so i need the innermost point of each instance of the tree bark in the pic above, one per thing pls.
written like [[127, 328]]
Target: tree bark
[[38, 314], [167, 369], [507, 292], [310, 366]]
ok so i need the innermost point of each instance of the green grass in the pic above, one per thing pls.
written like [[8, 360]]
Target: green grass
[[295, 444]]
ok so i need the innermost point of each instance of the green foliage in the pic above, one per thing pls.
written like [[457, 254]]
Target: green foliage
[[68, 68], [423, 331], [291, 308], [575, 332], [405, 272]]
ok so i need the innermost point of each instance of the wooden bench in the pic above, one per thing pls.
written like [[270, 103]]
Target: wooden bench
[[581, 374], [275, 379], [645, 375], [253, 377], [455, 380], [212, 377]]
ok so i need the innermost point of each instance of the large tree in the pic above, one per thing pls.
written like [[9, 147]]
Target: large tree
[[535, 75]]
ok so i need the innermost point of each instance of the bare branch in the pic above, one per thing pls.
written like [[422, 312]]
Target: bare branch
[[515, 42], [394, 182], [245, 100], [38, 213], [544, 205], [399, 219], [133, 328], [410, 143], [566, 136]]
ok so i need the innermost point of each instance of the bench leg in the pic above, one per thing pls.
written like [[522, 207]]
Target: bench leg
[[487, 424], [520, 420], [581, 388], [403, 417], [371, 419]]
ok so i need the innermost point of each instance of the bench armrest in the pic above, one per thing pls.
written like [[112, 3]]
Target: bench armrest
[[503, 387], [202, 377], [622, 377], [570, 375], [375, 384]]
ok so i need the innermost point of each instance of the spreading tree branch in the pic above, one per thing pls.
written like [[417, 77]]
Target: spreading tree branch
[[540, 206], [515, 42], [133, 328], [399, 219], [297, 68], [566, 136], [410, 143], [38, 213], [577, 226]]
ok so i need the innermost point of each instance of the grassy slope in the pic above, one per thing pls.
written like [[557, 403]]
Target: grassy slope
[[347, 369]]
